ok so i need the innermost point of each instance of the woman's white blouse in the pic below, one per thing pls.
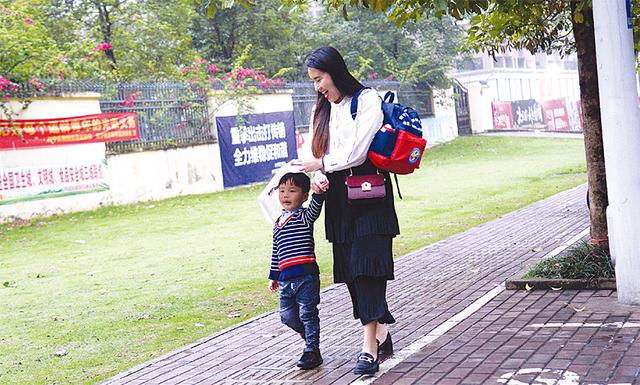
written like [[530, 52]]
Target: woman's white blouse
[[349, 139]]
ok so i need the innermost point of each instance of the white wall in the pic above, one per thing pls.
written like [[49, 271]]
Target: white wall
[[441, 127], [132, 177]]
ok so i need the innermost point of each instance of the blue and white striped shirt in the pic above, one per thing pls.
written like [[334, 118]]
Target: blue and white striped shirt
[[293, 252]]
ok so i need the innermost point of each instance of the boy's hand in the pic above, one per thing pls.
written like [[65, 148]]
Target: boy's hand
[[273, 286], [319, 183]]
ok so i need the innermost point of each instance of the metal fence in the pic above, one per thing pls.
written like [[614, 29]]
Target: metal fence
[[170, 115], [174, 114], [418, 96]]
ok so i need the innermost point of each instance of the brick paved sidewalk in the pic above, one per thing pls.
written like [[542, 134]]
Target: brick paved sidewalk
[[496, 344]]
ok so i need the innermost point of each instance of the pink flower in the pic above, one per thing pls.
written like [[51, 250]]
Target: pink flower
[[104, 46], [213, 68], [129, 99], [180, 125], [36, 83], [372, 76], [60, 75], [390, 77], [28, 21]]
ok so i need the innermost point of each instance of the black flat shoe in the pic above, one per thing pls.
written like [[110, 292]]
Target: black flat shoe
[[310, 360], [385, 348], [366, 364]]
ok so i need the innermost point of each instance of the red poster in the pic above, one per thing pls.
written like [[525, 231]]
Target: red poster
[[556, 117], [107, 127], [502, 115]]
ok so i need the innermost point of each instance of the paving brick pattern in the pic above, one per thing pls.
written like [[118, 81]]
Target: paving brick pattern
[[433, 284]]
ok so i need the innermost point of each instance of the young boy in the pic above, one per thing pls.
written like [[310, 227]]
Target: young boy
[[293, 264]]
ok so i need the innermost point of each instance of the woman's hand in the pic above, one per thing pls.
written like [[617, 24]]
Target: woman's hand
[[308, 164], [319, 183]]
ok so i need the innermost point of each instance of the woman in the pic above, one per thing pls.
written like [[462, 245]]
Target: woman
[[361, 234]]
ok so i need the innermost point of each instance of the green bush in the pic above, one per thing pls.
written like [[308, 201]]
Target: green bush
[[582, 261]]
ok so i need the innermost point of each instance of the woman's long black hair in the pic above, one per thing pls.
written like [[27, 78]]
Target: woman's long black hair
[[329, 60]]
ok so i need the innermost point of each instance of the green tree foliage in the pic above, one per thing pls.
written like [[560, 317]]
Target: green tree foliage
[[517, 24], [278, 35], [120, 39], [400, 11], [422, 50], [26, 49]]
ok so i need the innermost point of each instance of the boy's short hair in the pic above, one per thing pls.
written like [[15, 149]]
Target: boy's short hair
[[297, 179]]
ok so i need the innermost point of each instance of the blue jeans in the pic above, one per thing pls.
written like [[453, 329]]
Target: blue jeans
[[299, 299]]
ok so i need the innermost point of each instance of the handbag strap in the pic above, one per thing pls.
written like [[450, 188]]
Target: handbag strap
[[351, 171], [395, 176]]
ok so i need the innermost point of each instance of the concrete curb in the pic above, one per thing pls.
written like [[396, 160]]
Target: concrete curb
[[561, 284]]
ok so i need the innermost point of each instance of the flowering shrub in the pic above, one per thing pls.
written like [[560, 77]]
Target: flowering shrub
[[7, 88], [104, 46], [204, 73], [237, 85]]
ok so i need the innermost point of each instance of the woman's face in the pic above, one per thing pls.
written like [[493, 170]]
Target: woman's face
[[323, 83]]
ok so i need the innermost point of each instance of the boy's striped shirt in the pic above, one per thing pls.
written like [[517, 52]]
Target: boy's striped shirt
[[293, 252]]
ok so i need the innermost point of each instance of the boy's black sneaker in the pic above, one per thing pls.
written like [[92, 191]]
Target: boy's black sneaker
[[310, 360], [385, 348], [365, 364]]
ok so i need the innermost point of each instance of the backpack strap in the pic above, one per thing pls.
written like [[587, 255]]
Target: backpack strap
[[354, 103], [388, 97]]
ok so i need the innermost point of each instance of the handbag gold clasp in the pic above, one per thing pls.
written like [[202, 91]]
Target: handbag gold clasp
[[366, 186]]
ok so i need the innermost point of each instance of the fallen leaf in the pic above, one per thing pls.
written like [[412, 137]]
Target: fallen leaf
[[199, 325], [578, 309], [179, 328], [80, 241], [528, 287], [61, 352], [9, 284], [555, 288], [536, 249], [233, 315]]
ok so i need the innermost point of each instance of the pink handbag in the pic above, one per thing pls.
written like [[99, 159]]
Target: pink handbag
[[365, 188]]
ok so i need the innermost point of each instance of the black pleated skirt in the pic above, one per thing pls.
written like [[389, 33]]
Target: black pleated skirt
[[345, 222], [368, 296], [361, 233], [366, 256]]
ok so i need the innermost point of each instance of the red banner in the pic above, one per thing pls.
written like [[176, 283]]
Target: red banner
[[107, 127], [502, 116], [555, 115]]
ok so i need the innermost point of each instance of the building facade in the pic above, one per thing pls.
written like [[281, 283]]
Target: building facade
[[518, 90]]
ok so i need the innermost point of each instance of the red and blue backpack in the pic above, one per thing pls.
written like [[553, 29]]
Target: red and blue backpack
[[398, 145]]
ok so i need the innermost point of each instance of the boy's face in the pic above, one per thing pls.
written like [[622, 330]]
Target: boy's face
[[291, 196]]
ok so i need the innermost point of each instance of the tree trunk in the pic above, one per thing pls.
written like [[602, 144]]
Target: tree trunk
[[592, 126], [105, 28]]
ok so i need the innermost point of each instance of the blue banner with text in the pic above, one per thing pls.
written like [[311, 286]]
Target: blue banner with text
[[253, 146]]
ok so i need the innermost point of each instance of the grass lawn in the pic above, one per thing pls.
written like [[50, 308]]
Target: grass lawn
[[87, 295]]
